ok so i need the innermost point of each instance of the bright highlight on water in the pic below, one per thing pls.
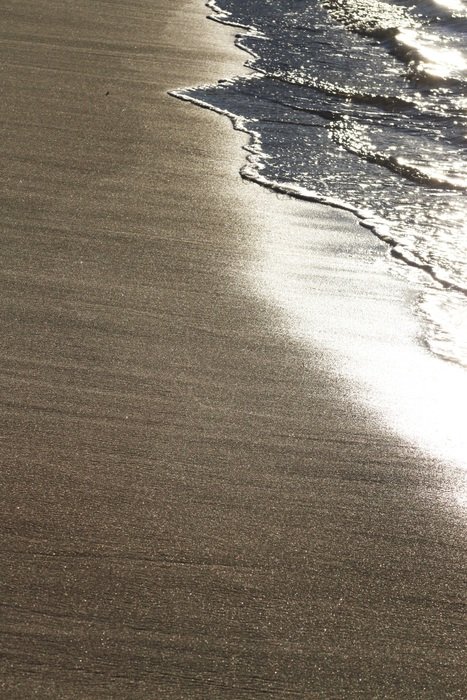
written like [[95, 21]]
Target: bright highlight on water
[[362, 104]]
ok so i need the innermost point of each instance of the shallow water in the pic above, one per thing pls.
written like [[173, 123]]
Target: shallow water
[[362, 104]]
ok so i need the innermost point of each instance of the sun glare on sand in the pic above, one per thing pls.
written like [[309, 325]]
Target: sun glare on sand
[[337, 296]]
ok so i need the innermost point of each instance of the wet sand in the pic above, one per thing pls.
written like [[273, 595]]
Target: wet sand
[[192, 507]]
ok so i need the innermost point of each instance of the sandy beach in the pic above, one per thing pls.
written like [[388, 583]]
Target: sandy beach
[[193, 504]]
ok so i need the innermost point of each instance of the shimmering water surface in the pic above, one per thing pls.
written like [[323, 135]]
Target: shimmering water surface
[[362, 104]]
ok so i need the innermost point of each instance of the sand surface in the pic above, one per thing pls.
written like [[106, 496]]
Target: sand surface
[[191, 505]]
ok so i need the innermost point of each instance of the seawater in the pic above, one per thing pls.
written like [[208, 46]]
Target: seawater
[[362, 104]]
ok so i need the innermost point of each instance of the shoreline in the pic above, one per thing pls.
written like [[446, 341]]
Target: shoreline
[[442, 330], [425, 377], [194, 506]]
